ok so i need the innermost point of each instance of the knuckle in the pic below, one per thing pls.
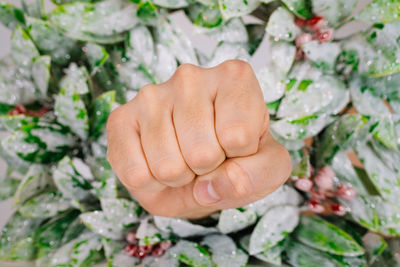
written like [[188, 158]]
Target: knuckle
[[169, 171], [204, 158], [186, 70], [148, 93], [237, 68], [236, 137], [240, 180], [134, 178]]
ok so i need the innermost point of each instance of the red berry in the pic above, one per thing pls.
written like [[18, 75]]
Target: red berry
[[346, 192], [131, 237], [325, 35], [131, 250], [315, 23], [304, 184], [300, 22], [303, 39], [315, 206], [158, 252], [338, 209], [165, 244], [148, 248], [141, 252]]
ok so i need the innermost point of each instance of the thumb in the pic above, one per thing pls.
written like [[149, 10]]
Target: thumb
[[243, 180]]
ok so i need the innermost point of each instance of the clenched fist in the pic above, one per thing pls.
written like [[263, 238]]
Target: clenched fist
[[197, 143]]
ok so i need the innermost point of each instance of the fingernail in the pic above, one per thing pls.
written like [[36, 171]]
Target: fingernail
[[205, 193]]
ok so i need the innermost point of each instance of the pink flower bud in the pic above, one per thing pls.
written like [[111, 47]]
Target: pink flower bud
[[131, 237], [165, 244], [304, 184], [315, 23], [346, 192], [338, 209], [299, 54], [315, 206], [158, 252], [303, 39], [325, 35], [328, 171], [324, 181], [141, 252], [300, 22], [131, 250]]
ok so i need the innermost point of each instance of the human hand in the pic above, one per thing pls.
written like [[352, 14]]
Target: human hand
[[197, 143]]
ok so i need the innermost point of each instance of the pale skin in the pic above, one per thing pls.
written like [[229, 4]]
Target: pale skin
[[197, 143]]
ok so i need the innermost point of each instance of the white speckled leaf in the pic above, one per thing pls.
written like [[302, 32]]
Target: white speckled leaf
[[177, 42], [236, 8], [41, 73], [282, 55], [120, 210], [272, 84], [380, 11], [23, 50], [165, 260], [87, 252], [334, 11], [322, 55], [226, 51], [98, 222], [140, 48], [181, 227], [148, 233], [233, 220], [284, 195], [233, 31], [191, 254], [171, 3], [274, 226], [34, 181], [224, 252], [299, 7], [300, 255], [165, 64], [281, 25]]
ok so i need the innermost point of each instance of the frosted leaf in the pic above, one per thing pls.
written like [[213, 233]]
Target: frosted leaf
[[11, 16], [224, 252], [327, 94], [344, 170], [272, 84], [165, 64], [171, 3], [322, 235], [377, 50], [334, 11], [322, 55], [233, 31], [75, 80], [87, 251], [181, 227], [120, 210], [274, 226], [375, 214], [374, 245], [177, 42], [290, 145], [282, 55], [300, 128], [299, 7], [23, 50], [384, 179], [226, 51], [364, 101], [16, 229], [134, 77], [233, 220], [121, 259], [98, 222], [300, 255], [148, 233], [51, 41], [191, 254], [106, 188], [45, 205], [380, 11], [165, 260], [140, 48], [112, 247], [236, 8], [281, 25], [210, 3], [204, 17], [71, 184], [273, 254], [41, 73], [34, 181], [54, 140], [284, 195]]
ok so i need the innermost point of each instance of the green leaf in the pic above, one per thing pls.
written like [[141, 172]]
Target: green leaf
[[35, 181], [181, 227], [301, 8], [377, 49], [102, 107], [224, 252], [374, 245], [87, 252], [274, 226], [204, 16], [147, 12], [236, 8], [97, 56], [8, 187], [334, 11], [299, 255], [52, 41], [281, 25], [45, 205], [99, 223], [11, 16], [14, 232], [233, 220], [191, 253], [24, 52], [320, 234], [303, 168], [123, 211], [41, 74], [380, 11], [322, 55]]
